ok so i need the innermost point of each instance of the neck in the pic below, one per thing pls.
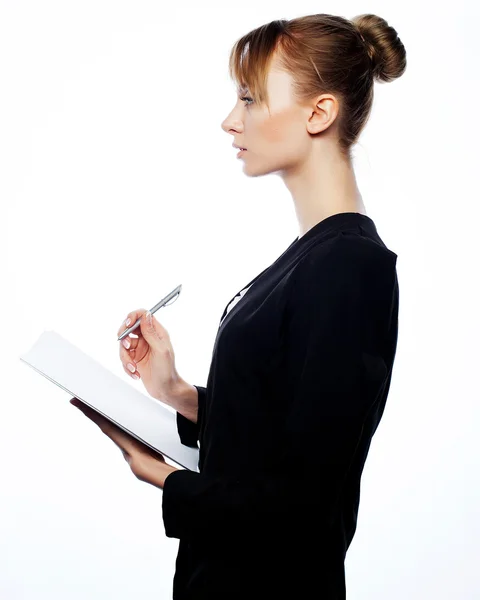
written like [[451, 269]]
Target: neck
[[323, 186]]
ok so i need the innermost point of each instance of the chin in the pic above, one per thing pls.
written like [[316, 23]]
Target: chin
[[251, 171]]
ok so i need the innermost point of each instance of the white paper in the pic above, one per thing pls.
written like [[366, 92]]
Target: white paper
[[140, 415]]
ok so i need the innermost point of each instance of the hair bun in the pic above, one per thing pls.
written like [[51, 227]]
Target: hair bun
[[386, 51]]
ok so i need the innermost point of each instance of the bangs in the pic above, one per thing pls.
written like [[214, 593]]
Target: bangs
[[250, 58]]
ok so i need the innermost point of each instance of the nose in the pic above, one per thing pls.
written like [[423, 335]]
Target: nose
[[231, 125]]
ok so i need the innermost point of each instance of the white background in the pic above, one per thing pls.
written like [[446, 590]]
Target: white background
[[118, 184]]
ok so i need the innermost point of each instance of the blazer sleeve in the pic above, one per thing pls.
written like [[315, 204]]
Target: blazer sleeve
[[188, 431], [336, 322]]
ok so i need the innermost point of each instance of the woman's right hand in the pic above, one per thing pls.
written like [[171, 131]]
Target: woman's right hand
[[152, 355]]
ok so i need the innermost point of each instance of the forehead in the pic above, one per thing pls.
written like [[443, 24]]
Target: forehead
[[275, 76]]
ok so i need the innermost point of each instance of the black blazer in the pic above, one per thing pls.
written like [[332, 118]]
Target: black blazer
[[299, 377]]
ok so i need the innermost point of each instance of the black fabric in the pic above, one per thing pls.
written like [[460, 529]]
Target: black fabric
[[188, 431], [298, 381]]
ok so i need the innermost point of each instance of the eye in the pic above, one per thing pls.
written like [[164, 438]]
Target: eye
[[243, 98]]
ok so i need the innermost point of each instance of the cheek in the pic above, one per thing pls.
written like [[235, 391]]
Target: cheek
[[280, 129], [274, 129]]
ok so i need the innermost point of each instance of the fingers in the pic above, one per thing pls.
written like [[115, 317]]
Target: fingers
[[133, 316], [127, 357], [129, 354], [129, 343]]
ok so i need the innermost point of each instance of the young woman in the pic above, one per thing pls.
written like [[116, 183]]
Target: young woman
[[302, 361]]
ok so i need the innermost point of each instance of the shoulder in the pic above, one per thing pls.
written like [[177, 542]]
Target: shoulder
[[345, 252], [346, 262]]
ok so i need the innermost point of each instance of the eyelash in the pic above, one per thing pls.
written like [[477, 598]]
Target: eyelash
[[243, 98]]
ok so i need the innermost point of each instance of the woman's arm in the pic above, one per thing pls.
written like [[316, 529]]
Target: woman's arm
[[185, 400], [188, 400]]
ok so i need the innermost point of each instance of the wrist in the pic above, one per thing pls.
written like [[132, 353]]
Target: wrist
[[154, 472], [174, 391], [164, 473], [184, 399], [180, 388]]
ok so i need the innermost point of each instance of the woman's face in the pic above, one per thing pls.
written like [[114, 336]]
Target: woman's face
[[281, 140]]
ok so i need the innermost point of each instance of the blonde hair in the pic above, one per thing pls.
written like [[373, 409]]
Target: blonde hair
[[324, 54]]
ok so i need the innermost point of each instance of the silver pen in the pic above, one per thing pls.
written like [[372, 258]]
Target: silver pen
[[175, 292]]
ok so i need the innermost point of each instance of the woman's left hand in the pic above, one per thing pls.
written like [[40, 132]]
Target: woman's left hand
[[146, 464]]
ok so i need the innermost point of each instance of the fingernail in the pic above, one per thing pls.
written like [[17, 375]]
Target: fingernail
[[128, 321], [131, 367]]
